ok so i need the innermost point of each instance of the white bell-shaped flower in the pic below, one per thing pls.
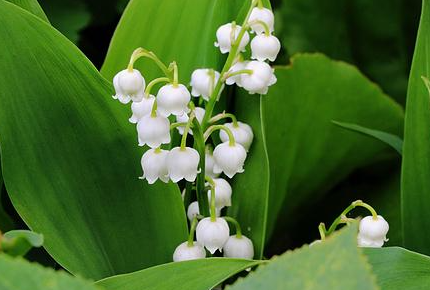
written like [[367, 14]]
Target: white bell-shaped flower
[[372, 232], [261, 14], [261, 78], [203, 82], [185, 252], [199, 112], [209, 165], [265, 47], [129, 86], [212, 234], [193, 210], [153, 130], [142, 108], [226, 36], [183, 164], [242, 134], [229, 158], [237, 79], [241, 248], [173, 99], [223, 193], [154, 165]]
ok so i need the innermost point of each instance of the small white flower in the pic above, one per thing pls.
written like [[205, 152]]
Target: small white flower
[[224, 37], [265, 47], [184, 252], [372, 233], [129, 86], [183, 164], [193, 210], [261, 14], [237, 79], [212, 234], [173, 99], [241, 248], [229, 158], [154, 165], [142, 108], [199, 112], [261, 78], [153, 130], [203, 82], [223, 193], [242, 134], [209, 165]]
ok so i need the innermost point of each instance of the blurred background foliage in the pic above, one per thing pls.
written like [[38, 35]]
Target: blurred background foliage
[[377, 37]]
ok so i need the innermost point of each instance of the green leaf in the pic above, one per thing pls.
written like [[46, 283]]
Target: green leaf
[[336, 263], [18, 274], [390, 139], [308, 156], [31, 6], [19, 242], [416, 151], [398, 269], [70, 158], [251, 188], [200, 274]]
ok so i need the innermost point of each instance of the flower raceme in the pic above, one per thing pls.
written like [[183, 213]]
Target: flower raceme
[[154, 113]]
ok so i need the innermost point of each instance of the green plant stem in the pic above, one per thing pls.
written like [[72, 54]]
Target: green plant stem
[[239, 72], [141, 52], [199, 145], [262, 23], [224, 115], [186, 130], [176, 125], [322, 230], [213, 128], [190, 242], [153, 83], [236, 225], [212, 201]]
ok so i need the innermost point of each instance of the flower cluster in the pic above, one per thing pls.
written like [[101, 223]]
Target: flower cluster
[[188, 111]]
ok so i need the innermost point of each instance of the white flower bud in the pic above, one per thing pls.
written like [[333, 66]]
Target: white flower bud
[[203, 82], [212, 234], [153, 131], [142, 108], [237, 79], [199, 112], [242, 134], [241, 248], [154, 165], [229, 158], [265, 47], [184, 252], [173, 100], [225, 36], [261, 14], [371, 232], [223, 193], [261, 78], [209, 165], [129, 86], [193, 210], [183, 164]]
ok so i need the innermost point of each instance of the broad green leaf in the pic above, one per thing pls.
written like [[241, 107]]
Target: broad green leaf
[[19, 242], [251, 188], [391, 140], [399, 269], [416, 150], [336, 263], [200, 274], [31, 6], [18, 274], [307, 154], [70, 158]]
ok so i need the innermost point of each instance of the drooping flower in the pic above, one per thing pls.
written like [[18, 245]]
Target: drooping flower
[[265, 47], [142, 108], [183, 164], [260, 79], [193, 210], [173, 99], [185, 252], [261, 14], [372, 232], [209, 165], [203, 82], [223, 193], [154, 165], [199, 112], [153, 130], [239, 247], [237, 79], [229, 158], [226, 36], [212, 234], [242, 133], [129, 85]]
